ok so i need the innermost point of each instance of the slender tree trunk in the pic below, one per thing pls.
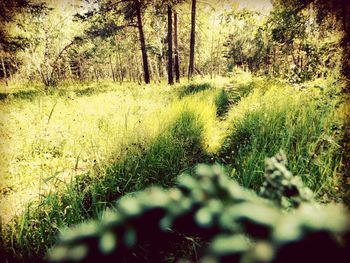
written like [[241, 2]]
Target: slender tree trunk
[[274, 62], [112, 70], [267, 68], [4, 70], [10, 75], [212, 57], [96, 75], [218, 53], [118, 64], [159, 66], [80, 70], [142, 43], [177, 61], [69, 70], [193, 40], [156, 70], [170, 46]]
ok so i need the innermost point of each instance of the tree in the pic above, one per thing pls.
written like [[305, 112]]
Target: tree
[[177, 62], [50, 35], [10, 45], [193, 40], [146, 76], [170, 4], [105, 22], [170, 46]]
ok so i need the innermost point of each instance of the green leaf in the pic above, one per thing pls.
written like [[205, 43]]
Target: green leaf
[[108, 243]]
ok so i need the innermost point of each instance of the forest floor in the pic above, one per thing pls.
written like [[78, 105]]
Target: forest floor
[[69, 154]]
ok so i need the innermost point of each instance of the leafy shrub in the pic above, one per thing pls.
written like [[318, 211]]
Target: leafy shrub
[[281, 186], [238, 225]]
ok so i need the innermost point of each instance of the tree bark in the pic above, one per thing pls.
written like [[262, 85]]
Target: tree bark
[[177, 62], [142, 43], [4, 70], [156, 70], [118, 61], [193, 40], [170, 46], [112, 70]]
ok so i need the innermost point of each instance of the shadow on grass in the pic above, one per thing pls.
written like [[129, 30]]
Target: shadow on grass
[[175, 150], [32, 94], [222, 103], [193, 88], [89, 91], [22, 95]]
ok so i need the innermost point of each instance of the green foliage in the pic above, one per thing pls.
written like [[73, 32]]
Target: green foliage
[[239, 226], [294, 120], [288, 25], [289, 42], [98, 40], [281, 186], [158, 144], [173, 142]]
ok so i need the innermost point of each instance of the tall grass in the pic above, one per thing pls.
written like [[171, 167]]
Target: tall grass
[[124, 140], [53, 138], [154, 153], [302, 122]]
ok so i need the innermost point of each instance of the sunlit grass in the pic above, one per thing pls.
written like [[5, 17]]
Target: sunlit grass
[[73, 152], [132, 143], [56, 137], [49, 139], [303, 122]]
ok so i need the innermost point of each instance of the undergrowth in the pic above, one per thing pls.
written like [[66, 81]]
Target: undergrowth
[[237, 126], [233, 224], [146, 160], [304, 122]]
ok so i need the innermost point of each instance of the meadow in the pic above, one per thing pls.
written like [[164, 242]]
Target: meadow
[[174, 131], [71, 153]]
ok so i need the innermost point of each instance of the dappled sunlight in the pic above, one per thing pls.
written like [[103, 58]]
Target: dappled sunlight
[[44, 142], [174, 131], [74, 135]]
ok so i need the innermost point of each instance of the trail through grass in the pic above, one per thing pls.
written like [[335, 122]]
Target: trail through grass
[[121, 141]]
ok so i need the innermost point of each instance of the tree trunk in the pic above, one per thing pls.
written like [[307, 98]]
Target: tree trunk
[[212, 57], [118, 63], [112, 70], [155, 69], [170, 46], [177, 62], [4, 70], [142, 43], [193, 40]]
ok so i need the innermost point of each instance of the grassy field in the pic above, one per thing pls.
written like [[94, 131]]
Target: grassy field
[[69, 154], [47, 139]]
